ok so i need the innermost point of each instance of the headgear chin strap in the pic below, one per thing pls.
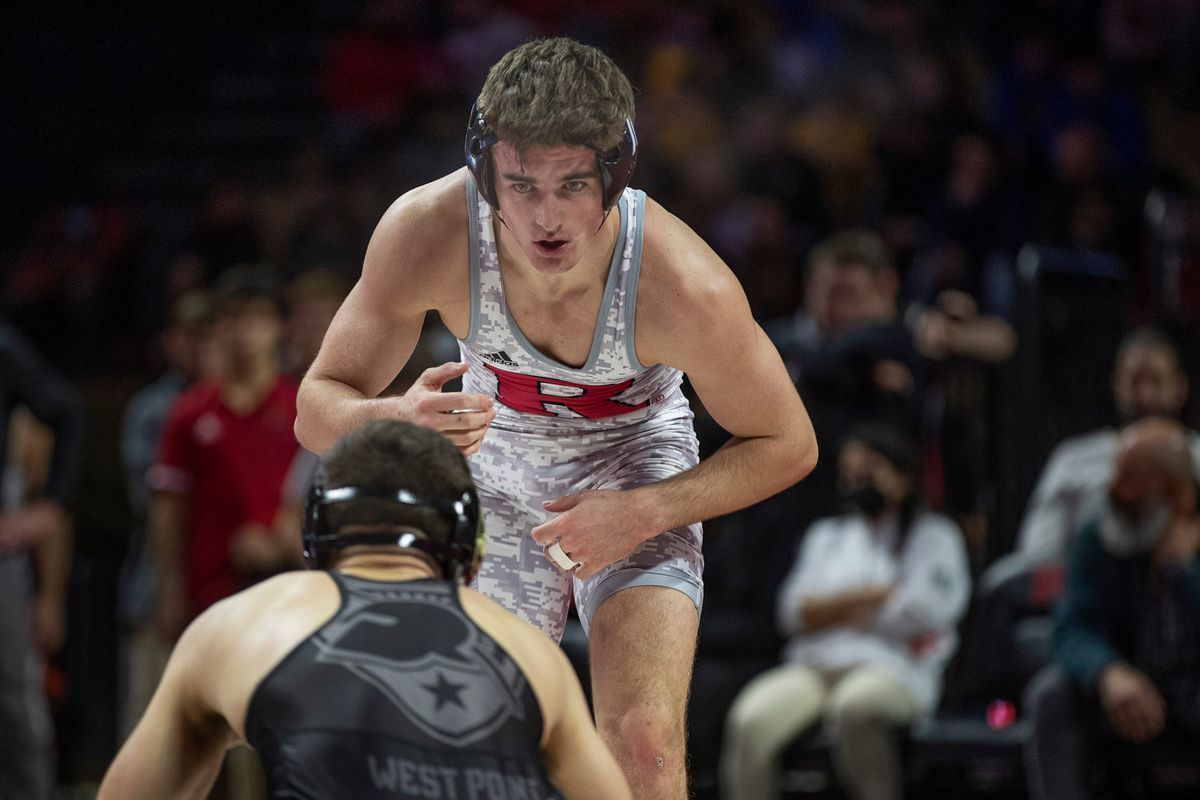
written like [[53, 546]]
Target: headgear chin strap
[[615, 164], [458, 555]]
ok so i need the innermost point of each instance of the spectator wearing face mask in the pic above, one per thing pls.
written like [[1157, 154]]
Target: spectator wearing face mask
[[870, 607], [1126, 659]]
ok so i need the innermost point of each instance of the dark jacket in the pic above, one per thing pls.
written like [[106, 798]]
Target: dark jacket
[[1102, 616]]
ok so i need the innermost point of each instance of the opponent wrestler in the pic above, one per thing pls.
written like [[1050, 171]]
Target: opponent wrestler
[[382, 677], [578, 303]]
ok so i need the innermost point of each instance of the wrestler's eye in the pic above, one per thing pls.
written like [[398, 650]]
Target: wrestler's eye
[[522, 188], [575, 186]]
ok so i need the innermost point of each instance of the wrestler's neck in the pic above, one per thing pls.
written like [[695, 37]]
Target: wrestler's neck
[[590, 271], [381, 566]]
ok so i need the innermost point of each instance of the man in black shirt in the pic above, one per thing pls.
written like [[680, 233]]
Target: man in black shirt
[[33, 532], [381, 676]]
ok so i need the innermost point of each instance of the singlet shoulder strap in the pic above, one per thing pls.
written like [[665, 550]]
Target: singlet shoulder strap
[[633, 271], [252, 715], [475, 248]]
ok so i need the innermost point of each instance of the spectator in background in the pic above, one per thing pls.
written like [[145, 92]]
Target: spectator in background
[[871, 606], [1147, 381], [974, 231], [190, 354], [312, 300], [1126, 658], [226, 448], [847, 349], [34, 529]]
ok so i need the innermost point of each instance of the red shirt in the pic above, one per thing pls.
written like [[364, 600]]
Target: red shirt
[[231, 467]]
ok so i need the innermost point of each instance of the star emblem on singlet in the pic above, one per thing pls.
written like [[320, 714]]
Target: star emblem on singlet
[[445, 692]]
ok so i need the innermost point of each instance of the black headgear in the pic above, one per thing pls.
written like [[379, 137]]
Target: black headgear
[[614, 164], [458, 554]]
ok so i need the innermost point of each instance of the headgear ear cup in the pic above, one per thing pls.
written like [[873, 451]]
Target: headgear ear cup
[[615, 165], [477, 150], [313, 529]]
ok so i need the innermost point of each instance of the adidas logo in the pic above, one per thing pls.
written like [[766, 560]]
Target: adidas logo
[[501, 358]]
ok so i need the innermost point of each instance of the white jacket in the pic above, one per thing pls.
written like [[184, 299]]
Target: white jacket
[[914, 633]]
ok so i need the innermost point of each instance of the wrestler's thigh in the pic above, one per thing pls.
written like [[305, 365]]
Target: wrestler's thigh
[[642, 643], [514, 571]]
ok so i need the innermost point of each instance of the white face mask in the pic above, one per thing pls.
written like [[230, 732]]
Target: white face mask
[[1124, 537]]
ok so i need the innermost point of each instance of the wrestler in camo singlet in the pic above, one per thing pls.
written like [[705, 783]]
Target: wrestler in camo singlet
[[610, 424]]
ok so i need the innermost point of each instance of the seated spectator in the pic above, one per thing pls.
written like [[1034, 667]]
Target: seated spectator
[[1147, 381], [1126, 657], [871, 606]]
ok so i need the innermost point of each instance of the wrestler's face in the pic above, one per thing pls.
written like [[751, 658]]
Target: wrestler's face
[[550, 201]]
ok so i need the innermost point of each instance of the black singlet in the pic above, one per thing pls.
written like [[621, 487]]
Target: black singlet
[[400, 696]]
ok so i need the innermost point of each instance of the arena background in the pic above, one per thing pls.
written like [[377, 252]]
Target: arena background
[[1039, 156]]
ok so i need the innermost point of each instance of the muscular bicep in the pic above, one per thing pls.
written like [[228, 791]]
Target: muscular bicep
[[692, 314], [735, 369], [404, 275], [746, 388], [368, 342]]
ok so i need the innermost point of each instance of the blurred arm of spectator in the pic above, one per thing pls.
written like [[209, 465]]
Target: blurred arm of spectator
[[52, 562], [293, 499], [261, 550], [934, 586], [801, 608], [955, 328], [1081, 645], [167, 519], [1131, 701], [856, 607], [256, 549], [171, 481], [28, 379]]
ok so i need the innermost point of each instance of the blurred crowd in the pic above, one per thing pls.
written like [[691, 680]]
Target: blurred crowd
[[932, 208]]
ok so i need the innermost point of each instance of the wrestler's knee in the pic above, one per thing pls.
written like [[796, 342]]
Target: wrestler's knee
[[647, 741]]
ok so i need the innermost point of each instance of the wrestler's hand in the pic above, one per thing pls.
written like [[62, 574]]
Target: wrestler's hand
[[426, 404], [595, 528]]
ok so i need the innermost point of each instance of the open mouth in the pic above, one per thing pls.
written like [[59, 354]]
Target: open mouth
[[550, 245]]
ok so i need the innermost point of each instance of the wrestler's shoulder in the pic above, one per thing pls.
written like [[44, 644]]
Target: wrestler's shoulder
[[679, 270], [428, 220]]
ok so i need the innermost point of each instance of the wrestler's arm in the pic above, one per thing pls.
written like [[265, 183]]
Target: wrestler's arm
[[692, 314], [577, 760], [177, 747], [375, 331], [709, 333]]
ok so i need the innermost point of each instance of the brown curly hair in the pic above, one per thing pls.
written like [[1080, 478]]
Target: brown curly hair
[[556, 91]]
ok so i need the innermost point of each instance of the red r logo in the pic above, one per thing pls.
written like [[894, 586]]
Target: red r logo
[[531, 395]]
